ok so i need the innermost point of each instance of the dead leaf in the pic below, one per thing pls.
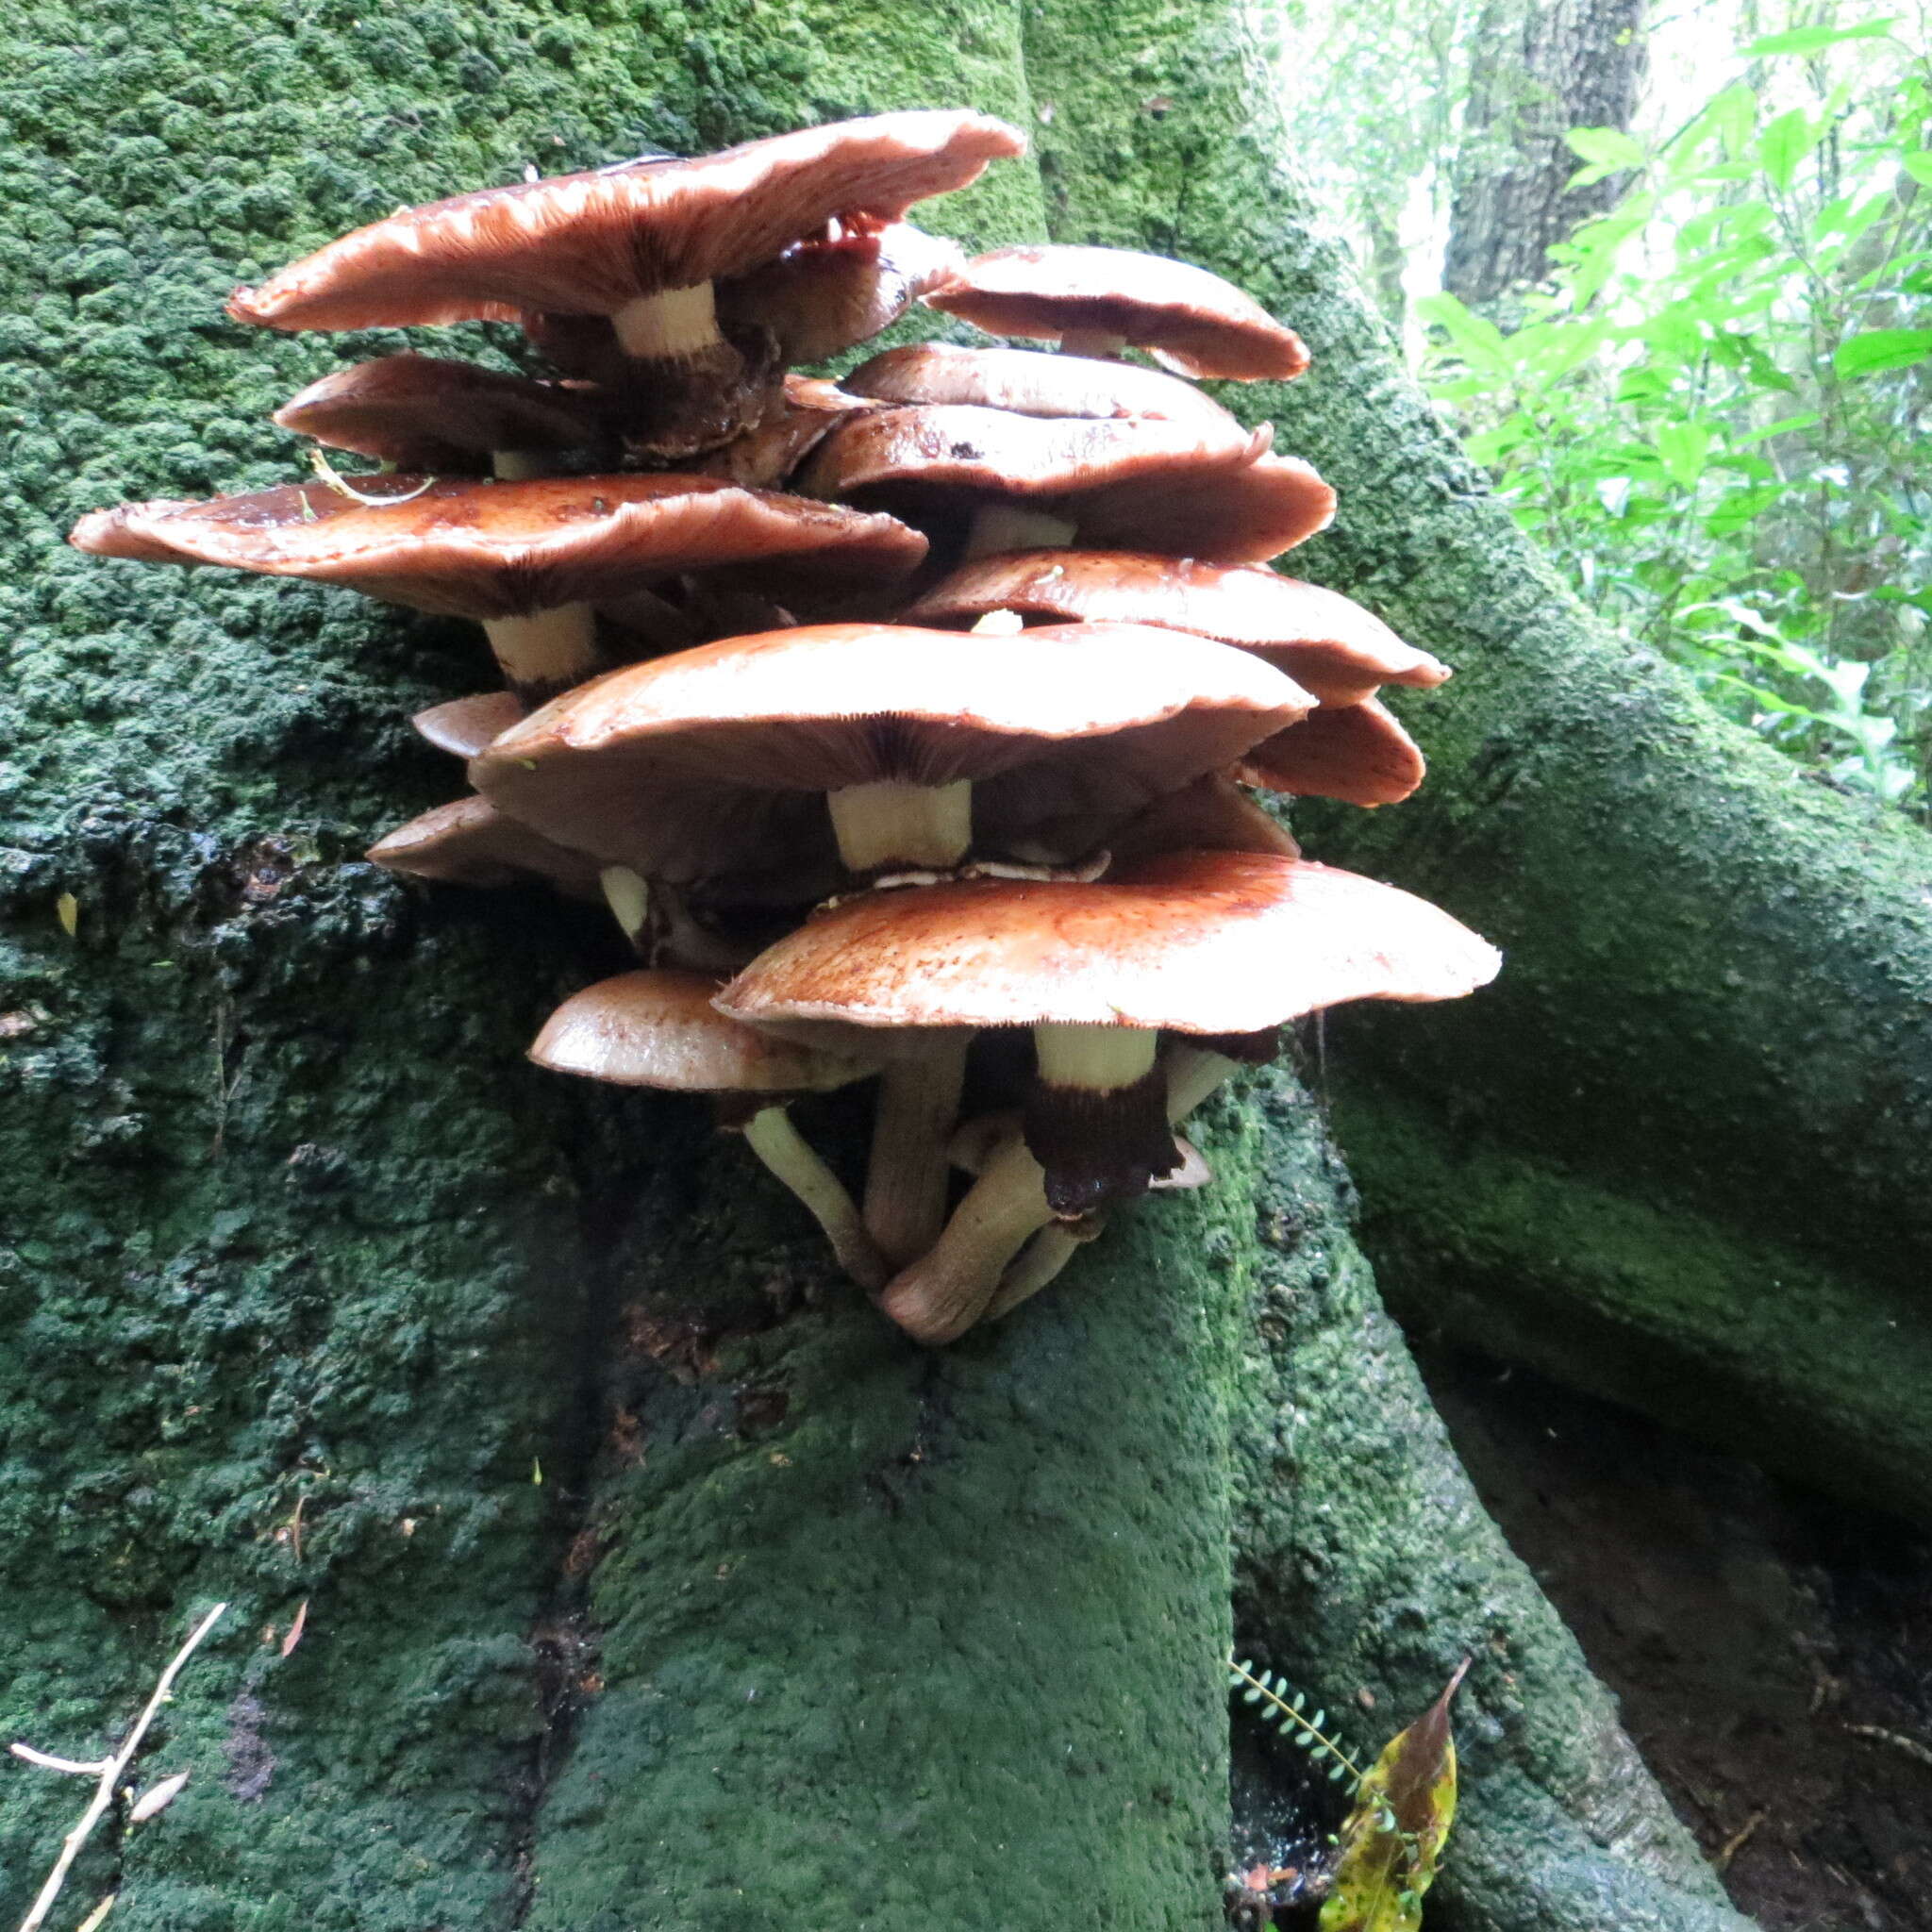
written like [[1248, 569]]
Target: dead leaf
[[1393, 1837], [68, 909], [98, 1917], [157, 1799], [295, 1629]]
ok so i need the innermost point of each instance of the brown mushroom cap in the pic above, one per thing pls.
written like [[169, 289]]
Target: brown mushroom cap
[[589, 243], [657, 763], [1327, 643], [425, 412], [1213, 814], [1030, 382], [487, 550], [791, 428], [658, 1028], [909, 455], [837, 288], [464, 725], [1244, 516], [1188, 319], [1359, 754], [468, 842], [1193, 943]]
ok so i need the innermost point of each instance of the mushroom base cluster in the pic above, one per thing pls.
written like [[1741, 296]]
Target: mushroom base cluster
[[910, 725]]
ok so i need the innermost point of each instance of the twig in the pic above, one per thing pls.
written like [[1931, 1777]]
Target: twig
[[110, 1772], [1912, 1747], [1736, 1842], [334, 478], [52, 1763]]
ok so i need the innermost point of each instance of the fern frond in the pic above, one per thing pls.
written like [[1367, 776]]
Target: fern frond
[[1286, 1708]]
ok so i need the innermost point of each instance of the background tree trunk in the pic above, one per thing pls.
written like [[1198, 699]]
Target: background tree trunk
[[1538, 68], [644, 1582]]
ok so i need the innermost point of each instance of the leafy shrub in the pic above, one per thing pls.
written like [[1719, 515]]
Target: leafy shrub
[[1709, 414]]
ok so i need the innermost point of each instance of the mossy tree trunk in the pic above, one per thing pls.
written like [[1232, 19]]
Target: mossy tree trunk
[[636, 1576], [1677, 1149]]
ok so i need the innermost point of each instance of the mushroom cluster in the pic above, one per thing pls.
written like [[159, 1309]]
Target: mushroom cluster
[[908, 726]]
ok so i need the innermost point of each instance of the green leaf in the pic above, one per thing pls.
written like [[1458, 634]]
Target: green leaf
[[1918, 166], [1784, 144], [1877, 349], [1684, 448], [1809, 40], [1785, 425], [1393, 1837], [1606, 147], [1479, 342], [1608, 151]]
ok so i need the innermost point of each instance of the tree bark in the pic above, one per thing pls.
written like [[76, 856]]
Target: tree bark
[[639, 1580], [1539, 69]]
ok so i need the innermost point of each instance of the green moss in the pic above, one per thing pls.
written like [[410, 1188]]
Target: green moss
[[1650, 1304], [1366, 1570], [891, 1637], [296, 1241], [308, 1275]]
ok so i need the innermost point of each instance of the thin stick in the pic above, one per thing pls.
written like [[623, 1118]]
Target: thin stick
[[111, 1770]]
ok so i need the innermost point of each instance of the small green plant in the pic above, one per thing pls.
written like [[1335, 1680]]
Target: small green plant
[[1711, 413], [1282, 1706], [1392, 1841]]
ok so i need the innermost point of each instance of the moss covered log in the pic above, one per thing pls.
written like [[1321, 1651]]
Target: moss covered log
[[318, 1300], [1681, 1141], [890, 1635]]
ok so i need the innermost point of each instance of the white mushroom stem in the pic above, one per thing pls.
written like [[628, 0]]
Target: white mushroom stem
[[1093, 342], [673, 325], [976, 1267], [946, 1290], [772, 1137], [518, 465], [890, 823], [1093, 1114], [999, 623], [905, 1185], [630, 899], [548, 650], [1059, 1241], [997, 527], [1040, 1261], [1095, 1058], [1194, 1073]]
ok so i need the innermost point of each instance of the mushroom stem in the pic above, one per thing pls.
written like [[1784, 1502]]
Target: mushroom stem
[[1095, 1057], [547, 651], [673, 325], [906, 1186], [518, 465], [891, 822], [1099, 342], [1193, 1073], [1009, 526], [630, 899], [1040, 1261], [772, 1137], [946, 1290], [1095, 1115]]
